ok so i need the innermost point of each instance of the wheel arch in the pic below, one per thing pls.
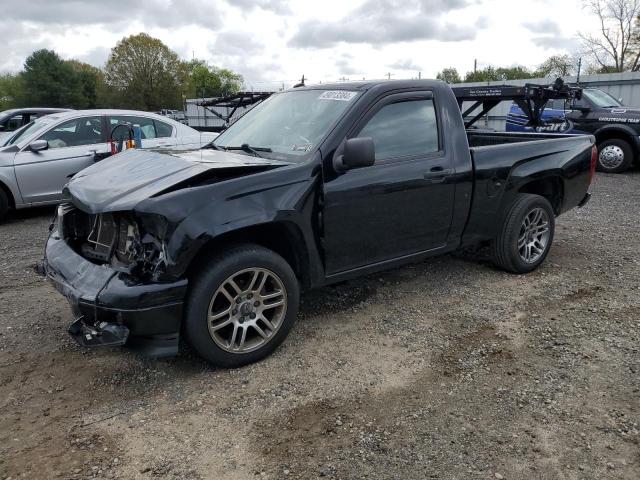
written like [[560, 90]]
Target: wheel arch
[[284, 238], [9, 194], [619, 132], [551, 188]]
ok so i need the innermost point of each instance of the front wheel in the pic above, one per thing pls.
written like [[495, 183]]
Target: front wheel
[[526, 235], [241, 306], [614, 156]]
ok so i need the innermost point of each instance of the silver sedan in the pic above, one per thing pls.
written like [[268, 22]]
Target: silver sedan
[[39, 159]]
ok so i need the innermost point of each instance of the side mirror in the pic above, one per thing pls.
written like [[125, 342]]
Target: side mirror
[[358, 152], [581, 108], [39, 145]]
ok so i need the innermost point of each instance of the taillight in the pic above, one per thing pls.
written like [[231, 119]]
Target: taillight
[[594, 159]]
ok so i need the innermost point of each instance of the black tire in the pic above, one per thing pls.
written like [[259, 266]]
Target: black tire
[[4, 205], [506, 252], [205, 284], [615, 164]]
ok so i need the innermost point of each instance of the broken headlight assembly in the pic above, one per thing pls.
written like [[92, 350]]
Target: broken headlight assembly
[[116, 239]]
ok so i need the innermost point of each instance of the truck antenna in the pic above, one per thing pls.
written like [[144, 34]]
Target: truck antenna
[[301, 84]]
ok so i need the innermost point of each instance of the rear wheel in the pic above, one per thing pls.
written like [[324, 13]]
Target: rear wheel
[[241, 306], [614, 156], [526, 235], [4, 205]]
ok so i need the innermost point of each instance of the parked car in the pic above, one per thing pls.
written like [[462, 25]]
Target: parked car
[[314, 186], [12, 120], [616, 127], [39, 159]]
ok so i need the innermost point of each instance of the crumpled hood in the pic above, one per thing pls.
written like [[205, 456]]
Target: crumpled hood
[[122, 181]]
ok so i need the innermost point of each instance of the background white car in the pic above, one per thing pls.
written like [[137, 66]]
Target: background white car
[[39, 159]]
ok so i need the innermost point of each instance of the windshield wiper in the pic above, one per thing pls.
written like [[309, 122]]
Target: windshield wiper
[[245, 147], [215, 147]]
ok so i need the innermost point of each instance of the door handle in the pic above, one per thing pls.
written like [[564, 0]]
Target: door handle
[[437, 174]]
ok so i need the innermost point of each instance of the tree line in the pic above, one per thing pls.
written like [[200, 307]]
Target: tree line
[[141, 73], [554, 66]]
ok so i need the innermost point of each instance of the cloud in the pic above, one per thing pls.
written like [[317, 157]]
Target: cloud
[[482, 23], [97, 56], [19, 41], [235, 43], [157, 13], [344, 65], [406, 64], [277, 6], [380, 22], [543, 27], [556, 43]]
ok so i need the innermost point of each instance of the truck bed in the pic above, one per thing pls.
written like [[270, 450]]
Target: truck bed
[[502, 162]]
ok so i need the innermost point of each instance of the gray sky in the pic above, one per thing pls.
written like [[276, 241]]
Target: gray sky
[[272, 42]]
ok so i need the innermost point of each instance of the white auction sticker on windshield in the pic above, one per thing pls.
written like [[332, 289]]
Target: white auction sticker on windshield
[[340, 95]]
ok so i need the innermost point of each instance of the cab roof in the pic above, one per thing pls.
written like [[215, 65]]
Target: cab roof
[[369, 84]]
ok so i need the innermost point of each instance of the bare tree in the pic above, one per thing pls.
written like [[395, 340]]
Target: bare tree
[[615, 47], [558, 66]]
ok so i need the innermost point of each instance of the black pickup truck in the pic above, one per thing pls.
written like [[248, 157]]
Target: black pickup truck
[[313, 186]]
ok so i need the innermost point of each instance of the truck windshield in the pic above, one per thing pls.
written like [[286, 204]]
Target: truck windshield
[[600, 98], [287, 125]]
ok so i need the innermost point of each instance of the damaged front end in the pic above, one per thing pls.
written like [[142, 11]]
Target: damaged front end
[[110, 267], [115, 239]]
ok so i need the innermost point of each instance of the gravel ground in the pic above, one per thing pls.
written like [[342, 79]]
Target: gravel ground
[[446, 369]]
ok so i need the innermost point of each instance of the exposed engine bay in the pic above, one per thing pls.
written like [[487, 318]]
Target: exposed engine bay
[[112, 238]]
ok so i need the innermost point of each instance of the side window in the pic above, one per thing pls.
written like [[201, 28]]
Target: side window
[[76, 132], [403, 129], [32, 117], [146, 126], [163, 129], [582, 103], [13, 123]]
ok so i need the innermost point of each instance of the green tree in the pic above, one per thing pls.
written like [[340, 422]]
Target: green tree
[[557, 66], [11, 93], [145, 74], [208, 81], [449, 75], [491, 74], [92, 84], [49, 81], [230, 82]]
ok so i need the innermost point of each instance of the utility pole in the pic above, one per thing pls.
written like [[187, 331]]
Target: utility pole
[[475, 65], [419, 75], [579, 67], [389, 76]]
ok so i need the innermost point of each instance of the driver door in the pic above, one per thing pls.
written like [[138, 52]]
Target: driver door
[[403, 204], [72, 147]]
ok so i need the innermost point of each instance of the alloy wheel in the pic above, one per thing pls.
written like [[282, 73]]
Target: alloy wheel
[[247, 310], [534, 235]]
